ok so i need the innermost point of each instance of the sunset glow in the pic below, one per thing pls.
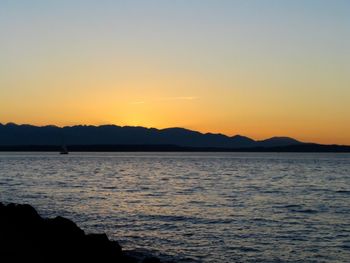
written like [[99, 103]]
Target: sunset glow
[[256, 68]]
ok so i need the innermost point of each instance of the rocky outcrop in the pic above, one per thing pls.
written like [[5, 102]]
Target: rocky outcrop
[[25, 235]]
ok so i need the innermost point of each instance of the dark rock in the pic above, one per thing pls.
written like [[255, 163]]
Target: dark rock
[[151, 260], [100, 246], [61, 227], [25, 235]]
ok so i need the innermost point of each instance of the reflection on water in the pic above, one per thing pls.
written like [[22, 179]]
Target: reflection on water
[[210, 207]]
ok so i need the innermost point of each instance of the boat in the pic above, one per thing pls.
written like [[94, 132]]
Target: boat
[[64, 150]]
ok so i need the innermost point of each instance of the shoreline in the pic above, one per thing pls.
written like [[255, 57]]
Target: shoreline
[[300, 148]]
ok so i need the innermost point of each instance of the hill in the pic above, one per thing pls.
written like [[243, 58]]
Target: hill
[[12, 134], [14, 137]]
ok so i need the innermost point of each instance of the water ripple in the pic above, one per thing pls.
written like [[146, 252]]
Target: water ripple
[[195, 207]]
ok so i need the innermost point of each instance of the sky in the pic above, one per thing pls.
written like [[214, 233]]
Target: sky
[[251, 67]]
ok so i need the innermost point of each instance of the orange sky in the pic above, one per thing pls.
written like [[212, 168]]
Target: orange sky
[[260, 70]]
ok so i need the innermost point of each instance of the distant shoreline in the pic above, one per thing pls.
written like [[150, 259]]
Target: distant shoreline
[[174, 148]]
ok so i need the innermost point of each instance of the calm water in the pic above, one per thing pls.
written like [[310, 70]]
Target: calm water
[[197, 207]]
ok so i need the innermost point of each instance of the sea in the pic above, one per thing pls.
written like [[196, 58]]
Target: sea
[[195, 207]]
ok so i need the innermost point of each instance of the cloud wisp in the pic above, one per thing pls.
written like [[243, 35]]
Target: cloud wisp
[[184, 98]]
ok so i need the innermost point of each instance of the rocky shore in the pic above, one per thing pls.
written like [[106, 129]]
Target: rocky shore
[[25, 235]]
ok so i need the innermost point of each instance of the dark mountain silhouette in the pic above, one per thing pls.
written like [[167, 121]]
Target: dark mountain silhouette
[[278, 141], [13, 134], [116, 138]]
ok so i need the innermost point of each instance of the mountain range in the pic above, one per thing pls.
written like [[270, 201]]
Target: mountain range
[[12, 134]]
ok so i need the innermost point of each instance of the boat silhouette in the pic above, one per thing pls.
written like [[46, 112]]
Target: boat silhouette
[[64, 149]]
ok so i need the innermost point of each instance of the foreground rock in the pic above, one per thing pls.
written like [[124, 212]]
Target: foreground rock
[[25, 235]]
